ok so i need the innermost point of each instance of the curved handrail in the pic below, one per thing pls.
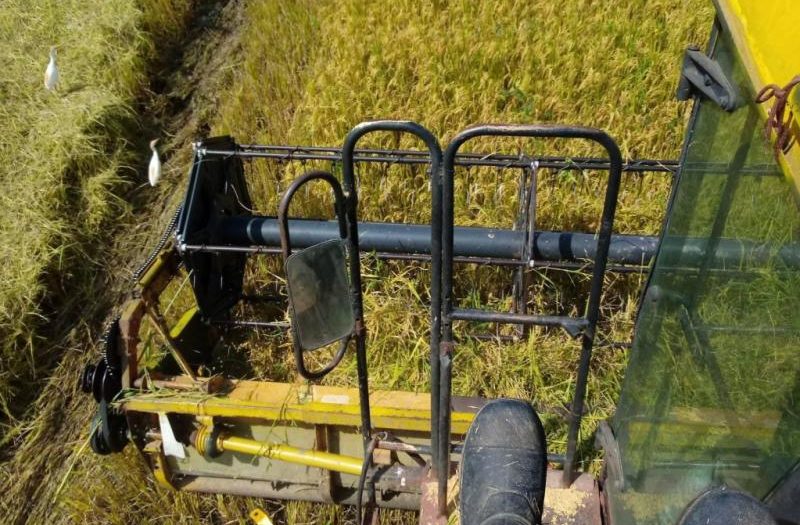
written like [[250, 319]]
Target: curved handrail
[[601, 257], [286, 247], [348, 177]]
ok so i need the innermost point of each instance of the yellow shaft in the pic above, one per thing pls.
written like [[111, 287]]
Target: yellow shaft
[[312, 458]]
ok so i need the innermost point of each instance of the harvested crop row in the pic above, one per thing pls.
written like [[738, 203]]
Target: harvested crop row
[[67, 156]]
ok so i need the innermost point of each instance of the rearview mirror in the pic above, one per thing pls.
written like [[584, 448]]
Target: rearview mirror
[[319, 294]]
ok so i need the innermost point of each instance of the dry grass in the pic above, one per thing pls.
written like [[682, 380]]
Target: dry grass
[[71, 159], [305, 72], [67, 155]]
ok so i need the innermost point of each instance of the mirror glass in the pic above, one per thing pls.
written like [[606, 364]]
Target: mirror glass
[[319, 294]]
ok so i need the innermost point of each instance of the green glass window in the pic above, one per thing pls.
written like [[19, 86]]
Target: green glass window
[[712, 392]]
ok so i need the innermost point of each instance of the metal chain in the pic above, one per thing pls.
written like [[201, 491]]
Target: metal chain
[[159, 246], [777, 120]]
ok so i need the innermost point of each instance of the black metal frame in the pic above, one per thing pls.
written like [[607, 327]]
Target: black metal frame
[[442, 254], [340, 206], [585, 326], [348, 175], [245, 233], [280, 153]]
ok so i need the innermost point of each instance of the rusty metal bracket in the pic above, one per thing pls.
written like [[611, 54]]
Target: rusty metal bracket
[[160, 325], [429, 502], [326, 483], [129, 323]]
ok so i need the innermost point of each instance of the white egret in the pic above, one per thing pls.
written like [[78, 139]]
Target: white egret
[[51, 73], [154, 170]]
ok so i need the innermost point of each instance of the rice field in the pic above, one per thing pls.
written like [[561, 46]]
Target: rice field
[[76, 216]]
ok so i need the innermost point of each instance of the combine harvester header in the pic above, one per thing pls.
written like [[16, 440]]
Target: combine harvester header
[[707, 428]]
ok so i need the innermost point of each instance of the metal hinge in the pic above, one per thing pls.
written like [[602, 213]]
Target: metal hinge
[[700, 73]]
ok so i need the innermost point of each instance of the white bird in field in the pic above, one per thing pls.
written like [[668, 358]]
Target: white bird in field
[[154, 170], [51, 73]]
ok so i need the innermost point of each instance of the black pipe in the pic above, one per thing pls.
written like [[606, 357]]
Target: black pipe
[[493, 243], [499, 244]]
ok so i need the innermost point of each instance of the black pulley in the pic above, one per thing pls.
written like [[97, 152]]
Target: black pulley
[[87, 378], [103, 380], [110, 431]]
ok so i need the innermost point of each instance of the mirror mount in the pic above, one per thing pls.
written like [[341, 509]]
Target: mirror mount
[[320, 295]]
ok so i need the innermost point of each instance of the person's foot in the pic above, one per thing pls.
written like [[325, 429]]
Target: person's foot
[[724, 506], [503, 466]]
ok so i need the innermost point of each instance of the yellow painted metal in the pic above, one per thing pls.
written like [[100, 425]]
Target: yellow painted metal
[[315, 404], [311, 458], [187, 316], [154, 271], [260, 517], [200, 437], [161, 472], [160, 325], [160, 468], [766, 37]]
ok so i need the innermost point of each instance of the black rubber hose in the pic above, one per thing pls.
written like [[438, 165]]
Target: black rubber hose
[[363, 477]]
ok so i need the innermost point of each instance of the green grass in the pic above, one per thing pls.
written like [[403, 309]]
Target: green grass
[[58, 164], [306, 72]]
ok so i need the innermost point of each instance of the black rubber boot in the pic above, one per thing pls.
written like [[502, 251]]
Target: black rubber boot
[[723, 506], [503, 466]]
